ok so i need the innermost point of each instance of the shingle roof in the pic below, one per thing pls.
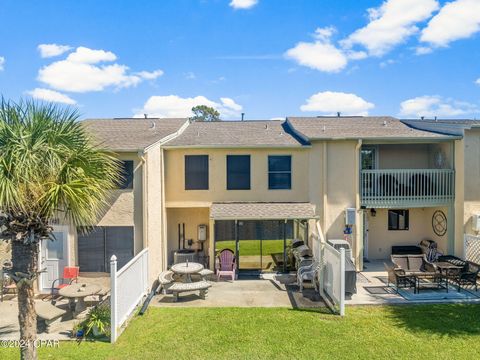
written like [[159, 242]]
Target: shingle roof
[[131, 134], [268, 133], [249, 211], [357, 127]]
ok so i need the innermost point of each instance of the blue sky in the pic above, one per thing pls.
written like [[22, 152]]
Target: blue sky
[[267, 58]]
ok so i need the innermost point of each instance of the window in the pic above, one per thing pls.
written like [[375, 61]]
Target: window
[[126, 182], [398, 220], [196, 172], [279, 172], [96, 247], [238, 172], [369, 157]]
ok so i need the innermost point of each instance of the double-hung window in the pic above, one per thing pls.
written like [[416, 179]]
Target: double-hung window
[[196, 172], [238, 172], [279, 172]]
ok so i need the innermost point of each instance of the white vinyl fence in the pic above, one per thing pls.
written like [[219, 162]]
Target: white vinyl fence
[[128, 286], [331, 277], [472, 248]]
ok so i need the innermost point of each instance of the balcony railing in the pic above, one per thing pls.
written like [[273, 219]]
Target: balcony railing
[[407, 187]]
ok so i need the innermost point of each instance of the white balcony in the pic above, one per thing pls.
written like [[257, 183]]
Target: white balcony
[[406, 187]]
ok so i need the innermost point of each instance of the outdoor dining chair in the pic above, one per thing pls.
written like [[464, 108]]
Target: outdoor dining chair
[[70, 275], [226, 264]]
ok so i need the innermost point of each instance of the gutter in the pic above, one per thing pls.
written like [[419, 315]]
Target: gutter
[[236, 147]]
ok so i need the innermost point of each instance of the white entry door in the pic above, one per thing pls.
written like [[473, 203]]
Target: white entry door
[[53, 258]]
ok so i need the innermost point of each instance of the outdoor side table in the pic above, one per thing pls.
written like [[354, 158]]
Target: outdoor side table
[[447, 269], [76, 294], [187, 269]]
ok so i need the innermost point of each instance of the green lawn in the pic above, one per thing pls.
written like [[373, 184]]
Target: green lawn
[[252, 247], [397, 332]]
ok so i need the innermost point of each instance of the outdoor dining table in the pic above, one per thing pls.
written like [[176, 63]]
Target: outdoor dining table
[[187, 269], [76, 294]]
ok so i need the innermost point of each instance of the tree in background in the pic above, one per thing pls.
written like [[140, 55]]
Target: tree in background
[[205, 113], [49, 168]]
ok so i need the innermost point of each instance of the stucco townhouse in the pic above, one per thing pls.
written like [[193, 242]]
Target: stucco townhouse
[[193, 188]]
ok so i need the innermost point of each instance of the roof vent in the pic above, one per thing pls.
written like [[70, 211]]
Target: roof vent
[[422, 117], [266, 126], [145, 116], [436, 118], [152, 125], [198, 133], [384, 122], [324, 128], [339, 113]]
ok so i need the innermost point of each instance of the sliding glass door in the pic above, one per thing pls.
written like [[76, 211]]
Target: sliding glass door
[[259, 245]]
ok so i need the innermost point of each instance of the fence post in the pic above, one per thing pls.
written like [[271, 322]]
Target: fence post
[[342, 281], [113, 299]]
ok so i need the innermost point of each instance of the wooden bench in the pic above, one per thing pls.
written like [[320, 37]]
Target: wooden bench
[[165, 279], [50, 314], [177, 288]]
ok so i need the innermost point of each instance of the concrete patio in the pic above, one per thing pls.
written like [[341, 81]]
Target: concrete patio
[[9, 328], [372, 289], [271, 290]]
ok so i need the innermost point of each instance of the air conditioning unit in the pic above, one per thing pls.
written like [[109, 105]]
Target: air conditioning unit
[[350, 215], [476, 222]]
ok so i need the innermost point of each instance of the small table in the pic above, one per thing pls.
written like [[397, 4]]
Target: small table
[[78, 292], [187, 269], [447, 269]]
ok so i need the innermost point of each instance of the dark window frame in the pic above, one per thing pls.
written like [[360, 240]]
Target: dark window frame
[[192, 180], [397, 213], [104, 243], [272, 173], [127, 175], [233, 174]]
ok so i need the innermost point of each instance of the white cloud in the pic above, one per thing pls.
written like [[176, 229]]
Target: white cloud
[[190, 75], [391, 24], [50, 50], [385, 63], [51, 95], [423, 50], [456, 20], [243, 4], [176, 106], [150, 75], [330, 102], [478, 81], [2, 63], [321, 54], [431, 106], [80, 72], [89, 56]]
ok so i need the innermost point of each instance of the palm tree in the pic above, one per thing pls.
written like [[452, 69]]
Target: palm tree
[[49, 168]]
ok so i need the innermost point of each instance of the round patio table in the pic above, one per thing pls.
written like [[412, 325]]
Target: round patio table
[[76, 294], [187, 269]]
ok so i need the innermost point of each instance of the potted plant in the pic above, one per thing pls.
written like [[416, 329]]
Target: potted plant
[[98, 321], [78, 330]]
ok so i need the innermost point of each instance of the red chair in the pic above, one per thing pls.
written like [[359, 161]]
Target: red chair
[[70, 275]]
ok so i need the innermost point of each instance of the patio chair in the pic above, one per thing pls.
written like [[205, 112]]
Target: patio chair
[[226, 265], [70, 275], [307, 273], [467, 276], [399, 278]]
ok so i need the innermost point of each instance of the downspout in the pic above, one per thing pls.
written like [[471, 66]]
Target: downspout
[[324, 188], [141, 155], [359, 227], [164, 243]]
